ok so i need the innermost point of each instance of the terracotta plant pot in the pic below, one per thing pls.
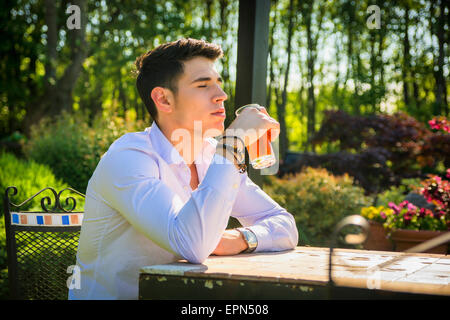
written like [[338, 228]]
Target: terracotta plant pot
[[377, 239], [405, 239]]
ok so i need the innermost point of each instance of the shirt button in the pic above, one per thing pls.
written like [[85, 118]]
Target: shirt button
[[235, 186], [186, 188]]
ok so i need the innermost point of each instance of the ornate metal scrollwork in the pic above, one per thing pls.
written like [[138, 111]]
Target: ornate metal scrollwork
[[68, 198], [46, 201]]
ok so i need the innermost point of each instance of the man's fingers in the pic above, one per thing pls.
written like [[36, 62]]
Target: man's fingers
[[274, 127], [274, 133]]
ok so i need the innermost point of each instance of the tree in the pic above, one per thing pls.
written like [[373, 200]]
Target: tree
[[281, 105], [438, 29], [311, 15], [57, 94]]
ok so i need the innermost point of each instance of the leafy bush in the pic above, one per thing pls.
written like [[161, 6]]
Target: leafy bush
[[368, 168], [398, 193], [384, 149], [318, 200], [3, 262], [29, 178], [72, 148]]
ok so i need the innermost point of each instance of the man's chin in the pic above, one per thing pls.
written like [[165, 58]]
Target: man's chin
[[214, 131]]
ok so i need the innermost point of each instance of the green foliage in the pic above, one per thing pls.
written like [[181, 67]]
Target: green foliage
[[29, 178], [72, 148], [318, 201], [3, 262], [398, 193]]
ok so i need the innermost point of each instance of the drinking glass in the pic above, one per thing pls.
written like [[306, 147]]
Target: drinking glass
[[260, 152]]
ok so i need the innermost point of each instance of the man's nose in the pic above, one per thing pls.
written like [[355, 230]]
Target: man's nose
[[220, 95]]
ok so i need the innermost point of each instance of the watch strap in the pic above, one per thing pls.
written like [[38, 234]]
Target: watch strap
[[250, 238]]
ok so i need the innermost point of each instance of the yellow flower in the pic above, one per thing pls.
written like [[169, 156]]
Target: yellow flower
[[373, 213]]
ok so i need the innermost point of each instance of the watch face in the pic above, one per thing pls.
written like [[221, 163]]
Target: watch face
[[250, 238]]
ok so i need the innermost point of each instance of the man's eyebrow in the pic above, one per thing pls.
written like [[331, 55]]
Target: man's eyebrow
[[202, 79]]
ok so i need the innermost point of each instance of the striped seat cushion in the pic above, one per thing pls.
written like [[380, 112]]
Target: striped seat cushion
[[46, 219]]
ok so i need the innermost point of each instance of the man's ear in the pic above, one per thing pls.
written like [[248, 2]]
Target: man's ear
[[163, 99]]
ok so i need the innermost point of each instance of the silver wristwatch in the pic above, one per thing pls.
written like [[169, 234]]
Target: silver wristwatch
[[250, 238]]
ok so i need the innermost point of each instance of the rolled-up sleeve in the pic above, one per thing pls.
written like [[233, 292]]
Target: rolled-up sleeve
[[274, 227], [189, 229]]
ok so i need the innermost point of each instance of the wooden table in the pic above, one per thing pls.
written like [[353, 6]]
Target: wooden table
[[301, 273]]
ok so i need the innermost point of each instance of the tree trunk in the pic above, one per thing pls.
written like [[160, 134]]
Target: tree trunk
[[271, 65], [311, 101], [122, 96], [406, 61], [350, 64], [441, 88], [51, 16], [336, 94], [208, 19], [281, 109], [373, 63], [357, 80], [228, 86]]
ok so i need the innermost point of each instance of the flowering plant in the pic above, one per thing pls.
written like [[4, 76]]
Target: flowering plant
[[435, 147], [440, 123], [408, 216], [377, 214], [437, 191]]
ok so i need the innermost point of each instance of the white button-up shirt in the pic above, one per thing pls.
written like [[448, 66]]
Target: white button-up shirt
[[140, 210]]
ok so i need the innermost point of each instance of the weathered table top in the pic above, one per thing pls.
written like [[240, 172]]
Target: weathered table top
[[409, 273]]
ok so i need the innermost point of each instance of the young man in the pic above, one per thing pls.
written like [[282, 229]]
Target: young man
[[153, 199]]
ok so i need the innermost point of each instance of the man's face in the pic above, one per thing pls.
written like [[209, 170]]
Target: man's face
[[200, 97]]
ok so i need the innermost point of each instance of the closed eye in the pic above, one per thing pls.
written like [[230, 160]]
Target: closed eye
[[206, 80]]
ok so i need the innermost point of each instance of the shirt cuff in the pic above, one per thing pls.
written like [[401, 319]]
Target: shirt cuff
[[263, 236]]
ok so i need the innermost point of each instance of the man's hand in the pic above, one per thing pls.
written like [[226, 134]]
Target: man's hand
[[231, 243]]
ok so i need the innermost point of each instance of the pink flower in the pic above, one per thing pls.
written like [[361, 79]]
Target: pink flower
[[438, 123], [403, 204], [448, 173], [433, 124], [383, 215], [425, 213], [407, 217], [446, 128], [411, 207], [422, 212], [394, 207]]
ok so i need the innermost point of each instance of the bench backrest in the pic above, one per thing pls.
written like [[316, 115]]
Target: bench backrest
[[41, 245]]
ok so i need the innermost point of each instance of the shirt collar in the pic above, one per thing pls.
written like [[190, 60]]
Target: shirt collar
[[168, 152]]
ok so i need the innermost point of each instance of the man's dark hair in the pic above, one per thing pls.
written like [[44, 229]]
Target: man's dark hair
[[162, 66]]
